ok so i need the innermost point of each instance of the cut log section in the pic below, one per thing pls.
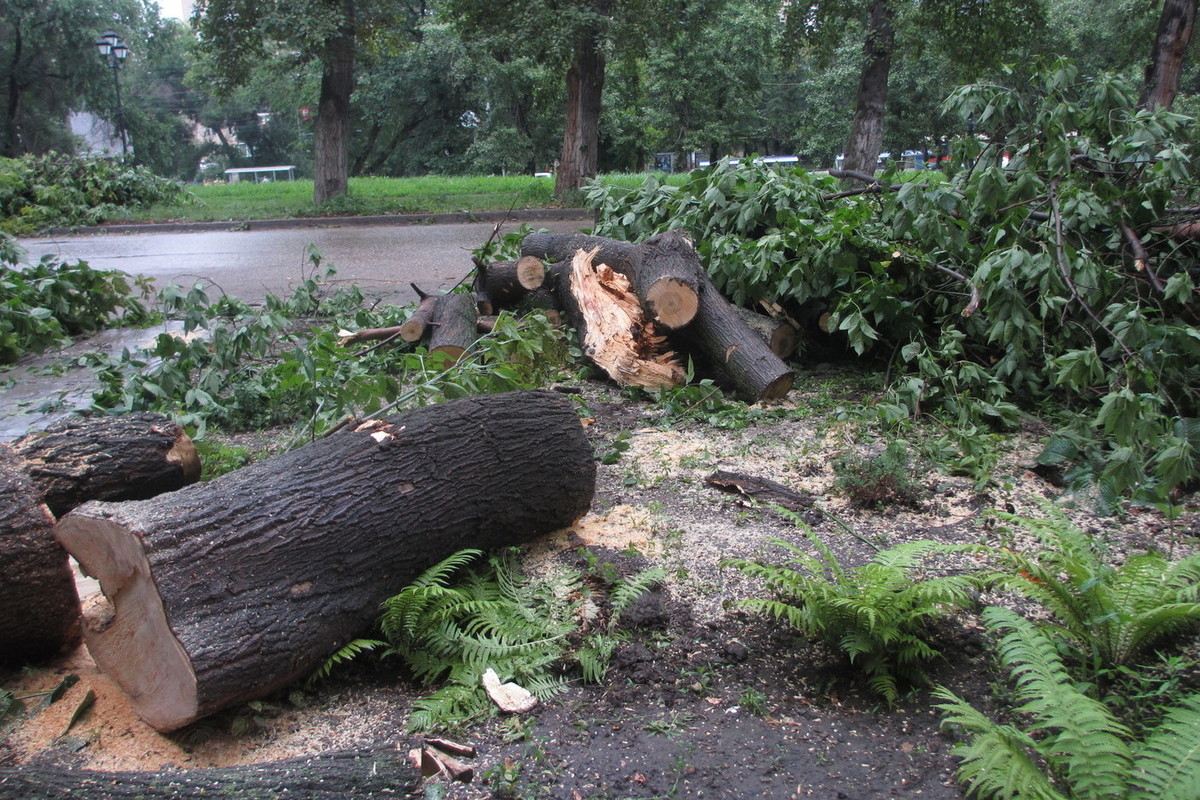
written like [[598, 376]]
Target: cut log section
[[413, 329], [612, 329], [225, 591], [665, 271], [505, 283], [330, 776], [737, 355], [39, 610], [128, 457], [779, 334], [453, 323]]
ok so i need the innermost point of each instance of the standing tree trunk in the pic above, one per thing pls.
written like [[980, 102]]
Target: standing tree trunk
[[331, 139], [866, 132], [585, 85], [1166, 57], [225, 591]]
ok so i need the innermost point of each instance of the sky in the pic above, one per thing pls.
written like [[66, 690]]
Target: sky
[[171, 8]]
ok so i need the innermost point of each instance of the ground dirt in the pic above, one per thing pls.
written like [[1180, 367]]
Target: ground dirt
[[703, 699]]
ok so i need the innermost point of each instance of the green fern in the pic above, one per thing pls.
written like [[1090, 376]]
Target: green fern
[[1072, 747], [470, 613], [345, 653], [1108, 615], [878, 614], [628, 590]]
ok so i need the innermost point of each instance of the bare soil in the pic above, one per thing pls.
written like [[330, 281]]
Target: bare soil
[[703, 700]]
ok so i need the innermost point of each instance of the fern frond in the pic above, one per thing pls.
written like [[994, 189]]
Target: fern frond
[[345, 653], [1168, 762], [630, 589]]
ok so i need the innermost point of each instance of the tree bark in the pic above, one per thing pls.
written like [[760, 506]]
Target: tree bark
[[665, 270], [505, 283], [331, 776], [779, 334], [453, 324], [39, 610], [331, 136], [585, 87], [866, 131], [128, 457], [225, 591], [1161, 81]]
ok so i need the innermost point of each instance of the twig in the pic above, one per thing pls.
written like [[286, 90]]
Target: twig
[[1140, 257], [973, 305]]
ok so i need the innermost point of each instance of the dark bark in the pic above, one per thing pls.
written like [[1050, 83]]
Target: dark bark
[[128, 457], [39, 610], [331, 137], [585, 87], [866, 130], [331, 776], [505, 283], [761, 490], [779, 334], [1161, 81], [453, 324], [225, 591], [561, 247], [413, 329]]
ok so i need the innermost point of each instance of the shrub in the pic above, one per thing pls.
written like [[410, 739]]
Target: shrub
[[877, 614], [874, 481]]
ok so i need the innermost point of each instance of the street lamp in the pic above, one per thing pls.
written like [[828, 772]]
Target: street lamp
[[115, 51]]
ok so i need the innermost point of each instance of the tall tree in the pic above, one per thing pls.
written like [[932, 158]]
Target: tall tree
[[1166, 56], [235, 35]]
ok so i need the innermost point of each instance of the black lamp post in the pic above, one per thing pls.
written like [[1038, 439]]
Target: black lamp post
[[115, 51]]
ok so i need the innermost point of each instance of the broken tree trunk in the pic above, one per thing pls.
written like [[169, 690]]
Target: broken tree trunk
[[453, 324], [413, 329], [735, 353], [39, 610], [665, 271], [330, 776], [225, 591], [779, 334], [127, 457], [505, 283], [614, 332]]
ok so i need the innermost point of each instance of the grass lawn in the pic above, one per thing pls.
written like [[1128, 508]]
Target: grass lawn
[[426, 195]]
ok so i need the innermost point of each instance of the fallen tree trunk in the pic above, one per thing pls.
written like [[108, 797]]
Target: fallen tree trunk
[[664, 270], [505, 283], [332, 776], [225, 591], [127, 457], [413, 329], [453, 323], [779, 334], [39, 610], [612, 329]]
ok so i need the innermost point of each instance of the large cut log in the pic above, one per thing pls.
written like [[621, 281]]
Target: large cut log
[[736, 354], [127, 457], [225, 591], [453, 324], [331, 776], [39, 610], [612, 329], [665, 270], [779, 334]]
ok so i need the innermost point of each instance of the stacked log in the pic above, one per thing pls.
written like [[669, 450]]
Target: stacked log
[[225, 591]]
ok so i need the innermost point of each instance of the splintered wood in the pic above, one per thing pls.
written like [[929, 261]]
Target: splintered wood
[[617, 336]]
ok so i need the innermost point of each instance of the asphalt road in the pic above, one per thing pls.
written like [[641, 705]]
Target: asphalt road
[[382, 259]]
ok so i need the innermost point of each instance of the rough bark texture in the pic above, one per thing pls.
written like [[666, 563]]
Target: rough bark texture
[[665, 269], [779, 334], [866, 130], [39, 610], [612, 329], [333, 776], [1175, 27], [585, 86], [735, 353], [331, 136], [413, 329], [225, 591], [453, 325], [129, 457], [505, 283]]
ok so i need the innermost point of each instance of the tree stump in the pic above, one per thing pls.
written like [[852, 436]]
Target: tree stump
[[453, 324], [39, 609], [225, 591], [127, 457]]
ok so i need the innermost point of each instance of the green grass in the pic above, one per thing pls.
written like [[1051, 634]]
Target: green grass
[[427, 195]]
